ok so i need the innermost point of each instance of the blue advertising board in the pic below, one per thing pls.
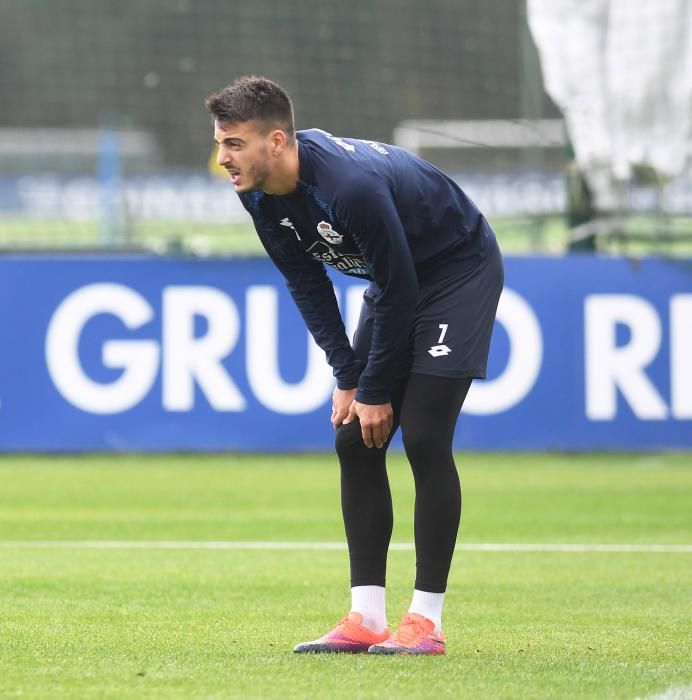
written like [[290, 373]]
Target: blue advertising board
[[153, 354]]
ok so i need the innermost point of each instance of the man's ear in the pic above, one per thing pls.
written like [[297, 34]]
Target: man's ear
[[279, 141]]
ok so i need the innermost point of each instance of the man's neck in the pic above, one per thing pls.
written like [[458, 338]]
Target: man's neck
[[286, 173]]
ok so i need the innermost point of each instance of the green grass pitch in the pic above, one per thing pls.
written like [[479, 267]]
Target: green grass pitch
[[516, 235], [185, 622]]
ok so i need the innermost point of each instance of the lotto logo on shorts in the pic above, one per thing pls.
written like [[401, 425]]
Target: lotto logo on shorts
[[439, 350]]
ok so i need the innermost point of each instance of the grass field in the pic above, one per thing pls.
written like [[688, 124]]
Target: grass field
[[517, 236], [177, 620]]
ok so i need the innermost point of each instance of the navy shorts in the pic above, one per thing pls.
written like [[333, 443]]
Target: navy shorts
[[450, 336]]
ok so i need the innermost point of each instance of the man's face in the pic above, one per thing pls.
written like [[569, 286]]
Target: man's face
[[245, 153]]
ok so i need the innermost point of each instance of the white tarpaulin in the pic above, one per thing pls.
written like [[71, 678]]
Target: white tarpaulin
[[621, 72]]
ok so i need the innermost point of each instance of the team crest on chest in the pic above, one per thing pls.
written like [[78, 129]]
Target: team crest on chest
[[324, 228]]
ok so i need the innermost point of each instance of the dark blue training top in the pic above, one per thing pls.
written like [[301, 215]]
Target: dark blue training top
[[372, 211]]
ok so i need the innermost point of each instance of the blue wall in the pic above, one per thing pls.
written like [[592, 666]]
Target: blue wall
[[137, 353]]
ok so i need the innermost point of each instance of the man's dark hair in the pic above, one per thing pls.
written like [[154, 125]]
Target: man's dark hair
[[252, 98]]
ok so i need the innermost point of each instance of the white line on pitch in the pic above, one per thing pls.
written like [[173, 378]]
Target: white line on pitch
[[681, 692], [397, 546]]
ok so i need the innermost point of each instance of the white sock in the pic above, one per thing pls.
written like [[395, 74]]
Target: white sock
[[369, 602], [428, 605]]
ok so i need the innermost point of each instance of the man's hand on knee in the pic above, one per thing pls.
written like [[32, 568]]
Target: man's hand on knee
[[376, 421], [342, 399]]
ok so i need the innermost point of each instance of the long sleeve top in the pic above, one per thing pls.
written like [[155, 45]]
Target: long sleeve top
[[373, 211]]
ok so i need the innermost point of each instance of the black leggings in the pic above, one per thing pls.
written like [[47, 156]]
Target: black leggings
[[427, 411]]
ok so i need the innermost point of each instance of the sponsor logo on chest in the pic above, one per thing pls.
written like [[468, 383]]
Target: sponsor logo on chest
[[324, 228]]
